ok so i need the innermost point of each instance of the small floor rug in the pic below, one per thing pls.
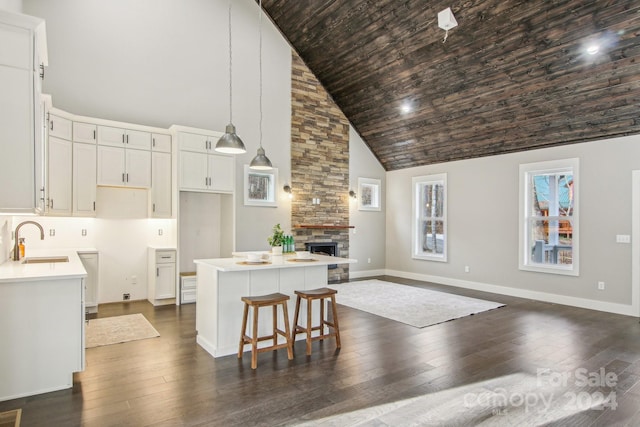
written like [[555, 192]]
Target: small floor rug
[[10, 418], [118, 329], [407, 304]]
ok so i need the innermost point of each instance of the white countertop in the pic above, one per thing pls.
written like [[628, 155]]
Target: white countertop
[[274, 261], [16, 271]]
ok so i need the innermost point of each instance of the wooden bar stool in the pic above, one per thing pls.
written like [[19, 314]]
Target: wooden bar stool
[[271, 300], [309, 296]]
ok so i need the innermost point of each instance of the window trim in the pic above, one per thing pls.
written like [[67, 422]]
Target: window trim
[[419, 182], [551, 166]]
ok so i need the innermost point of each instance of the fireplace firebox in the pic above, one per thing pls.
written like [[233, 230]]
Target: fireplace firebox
[[323, 248]]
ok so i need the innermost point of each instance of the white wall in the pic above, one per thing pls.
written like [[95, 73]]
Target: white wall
[[366, 240], [11, 5], [164, 62], [483, 224], [6, 244]]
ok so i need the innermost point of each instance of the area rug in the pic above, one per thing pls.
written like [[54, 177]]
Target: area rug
[[118, 329], [407, 304], [10, 418]]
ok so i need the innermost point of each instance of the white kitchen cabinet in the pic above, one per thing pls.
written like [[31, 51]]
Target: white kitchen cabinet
[[200, 168], [123, 167], [59, 127], [22, 53], [161, 142], [59, 182], [119, 137], [161, 185], [90, 261], [84, 179], [161, 280], [84, 132]]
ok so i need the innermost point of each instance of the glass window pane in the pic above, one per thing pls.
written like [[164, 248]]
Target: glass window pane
[[551, 241], [432, 237], [433, 200]]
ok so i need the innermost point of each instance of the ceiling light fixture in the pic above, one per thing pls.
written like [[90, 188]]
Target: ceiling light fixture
[[230, 142], [260, 161], [446, 21], [593, 49]]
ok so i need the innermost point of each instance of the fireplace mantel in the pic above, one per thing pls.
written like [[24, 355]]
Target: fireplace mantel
[[324, 226]]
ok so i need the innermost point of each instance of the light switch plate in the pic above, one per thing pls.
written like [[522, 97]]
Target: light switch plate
[[623, 238]]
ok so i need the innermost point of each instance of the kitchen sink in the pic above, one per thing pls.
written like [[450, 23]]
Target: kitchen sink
[[44, 260]]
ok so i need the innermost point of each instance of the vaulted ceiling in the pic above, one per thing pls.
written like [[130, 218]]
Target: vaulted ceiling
[[514, 75]]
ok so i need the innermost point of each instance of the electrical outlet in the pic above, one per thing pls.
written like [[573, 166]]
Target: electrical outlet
[[466, 269], [369, 260], [52, 232], [126, 297], [84, 231], [160, 231], [601, 286], [134, 280]]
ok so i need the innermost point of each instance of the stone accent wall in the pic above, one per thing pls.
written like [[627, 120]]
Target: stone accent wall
[[319, 165]]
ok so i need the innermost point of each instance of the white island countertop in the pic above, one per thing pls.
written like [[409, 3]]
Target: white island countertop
[[15, 271], [273, 261]]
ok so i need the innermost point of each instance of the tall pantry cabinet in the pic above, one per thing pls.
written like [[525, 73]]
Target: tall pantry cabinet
[[23, 56]]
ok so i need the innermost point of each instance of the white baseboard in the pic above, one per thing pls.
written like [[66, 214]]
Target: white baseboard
[[366, 273], [609, 307]]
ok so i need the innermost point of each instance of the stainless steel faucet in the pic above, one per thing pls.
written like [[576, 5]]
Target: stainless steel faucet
[[16, 248]]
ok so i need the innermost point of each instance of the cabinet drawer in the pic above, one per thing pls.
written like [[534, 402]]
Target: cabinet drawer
[[189, 282], [165, 257], [188, 296]]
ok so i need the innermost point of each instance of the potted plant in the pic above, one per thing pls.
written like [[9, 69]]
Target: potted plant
[[276, 240]]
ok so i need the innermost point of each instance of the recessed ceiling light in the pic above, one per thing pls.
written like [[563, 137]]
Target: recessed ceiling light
[[593, 49], [406, 108]]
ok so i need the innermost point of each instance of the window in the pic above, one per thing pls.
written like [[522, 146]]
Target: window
[[430, 217], [549, 217], [260, 187]]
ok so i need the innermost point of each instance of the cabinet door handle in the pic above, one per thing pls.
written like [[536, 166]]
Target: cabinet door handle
[[154, 207], [51, 125], [122, 176], [153, 142], [94, 206], [127, 139], [157, 272], [123, 138], [94, 134], [127, 176], [42, 71], [51, 203]]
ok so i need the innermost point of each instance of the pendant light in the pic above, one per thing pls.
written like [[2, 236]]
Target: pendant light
[[230, 143], [260, 161]]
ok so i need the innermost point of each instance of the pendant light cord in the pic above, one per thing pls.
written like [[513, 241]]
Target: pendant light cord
[[260, 68], [230, 70]]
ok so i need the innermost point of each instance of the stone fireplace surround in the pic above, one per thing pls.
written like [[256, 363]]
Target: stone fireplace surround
[[319, 167]]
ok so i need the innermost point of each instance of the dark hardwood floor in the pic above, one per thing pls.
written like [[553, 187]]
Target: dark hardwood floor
[[478, 370]]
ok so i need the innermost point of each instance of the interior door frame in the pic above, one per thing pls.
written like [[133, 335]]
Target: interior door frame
[[635, 242]]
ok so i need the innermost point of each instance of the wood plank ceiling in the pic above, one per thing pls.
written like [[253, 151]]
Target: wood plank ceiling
[[514, 75]]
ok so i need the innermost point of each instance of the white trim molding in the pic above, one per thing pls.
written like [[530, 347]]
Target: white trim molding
[[610, 307]]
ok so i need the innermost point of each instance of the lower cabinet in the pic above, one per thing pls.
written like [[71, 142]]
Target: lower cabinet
[[90, 263], [188, 283], [162, 276]]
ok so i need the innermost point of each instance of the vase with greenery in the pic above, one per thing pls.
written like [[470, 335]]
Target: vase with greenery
[[276, 239]]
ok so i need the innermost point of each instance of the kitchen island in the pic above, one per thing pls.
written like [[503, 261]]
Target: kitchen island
[[223, 281], [41, 323]]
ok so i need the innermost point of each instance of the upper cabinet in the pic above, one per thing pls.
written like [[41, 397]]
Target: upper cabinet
[[128, 138], [200, 167], [23, 57], [124, 157]]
